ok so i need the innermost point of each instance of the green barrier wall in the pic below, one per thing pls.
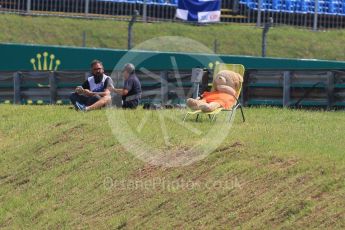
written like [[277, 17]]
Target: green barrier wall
[[15, 57]]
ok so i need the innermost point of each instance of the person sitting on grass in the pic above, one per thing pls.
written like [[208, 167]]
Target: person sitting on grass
[[131, 91], [94, 93]]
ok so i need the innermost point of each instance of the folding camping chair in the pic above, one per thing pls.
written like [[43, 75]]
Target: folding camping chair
[[238, 68]]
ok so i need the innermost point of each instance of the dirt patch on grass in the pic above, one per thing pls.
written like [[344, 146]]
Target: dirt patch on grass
[[68, 134], [148, 171], [303, 179], [281, 163], [63, 138], [285, 213], [6, 223], [175, 157], [17, 181], [50, 162], [318, 196], [229, 147], [59, 124], [3, 177], [22, 182]]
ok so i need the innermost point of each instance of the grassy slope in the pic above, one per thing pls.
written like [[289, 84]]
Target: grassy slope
[[233, 38], [285, 169]]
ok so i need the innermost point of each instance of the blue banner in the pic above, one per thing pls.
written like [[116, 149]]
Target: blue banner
[[202, 11]]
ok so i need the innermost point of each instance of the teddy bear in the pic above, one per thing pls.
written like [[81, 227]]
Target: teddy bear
[[226, 86]]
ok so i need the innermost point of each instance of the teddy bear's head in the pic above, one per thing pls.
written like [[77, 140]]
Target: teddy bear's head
[[228, 78]]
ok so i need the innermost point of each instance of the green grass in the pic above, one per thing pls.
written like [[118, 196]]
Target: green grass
[[237, 39], [62, 169]]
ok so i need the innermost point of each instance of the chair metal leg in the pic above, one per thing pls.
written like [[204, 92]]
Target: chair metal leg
[[185, 116], [244, 119], [231, 114]]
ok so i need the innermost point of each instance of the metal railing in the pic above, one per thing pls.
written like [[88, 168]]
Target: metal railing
[[315, 14], [119, 10], [288, 88], [55, 87]]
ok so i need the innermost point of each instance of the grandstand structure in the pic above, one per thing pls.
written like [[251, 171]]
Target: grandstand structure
[[316, 14], [310, 13], [322, 7]]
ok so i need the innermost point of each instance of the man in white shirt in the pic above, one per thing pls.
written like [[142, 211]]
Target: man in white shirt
[[94, 93]]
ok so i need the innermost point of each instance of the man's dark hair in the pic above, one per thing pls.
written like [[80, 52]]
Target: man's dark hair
[[94, 62]]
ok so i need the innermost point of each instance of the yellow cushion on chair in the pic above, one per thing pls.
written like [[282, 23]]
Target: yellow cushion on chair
[[194, 112], [216, 111]]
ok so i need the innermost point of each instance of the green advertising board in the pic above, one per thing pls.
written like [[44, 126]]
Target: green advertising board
[[20, 57]]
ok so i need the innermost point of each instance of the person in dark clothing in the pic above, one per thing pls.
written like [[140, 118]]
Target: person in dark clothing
[[131, 92], [94, 93]]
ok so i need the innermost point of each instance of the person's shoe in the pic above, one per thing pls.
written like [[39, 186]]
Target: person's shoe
[[80, 107], [75, 107]]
